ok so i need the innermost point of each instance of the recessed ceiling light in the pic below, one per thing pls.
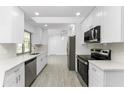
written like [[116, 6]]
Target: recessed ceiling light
[[36, 13], [78, 14], [45, 25]]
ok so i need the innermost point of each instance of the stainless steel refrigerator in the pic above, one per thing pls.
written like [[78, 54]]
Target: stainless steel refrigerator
[[71, 53]]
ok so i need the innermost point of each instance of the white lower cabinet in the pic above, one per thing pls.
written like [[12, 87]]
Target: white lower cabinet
[[105, 78], [15, 77], [96, 76], [41, 62]]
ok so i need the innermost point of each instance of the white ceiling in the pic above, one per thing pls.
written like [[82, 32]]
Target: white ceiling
[[54, 11], [57, 11], [57, 26]]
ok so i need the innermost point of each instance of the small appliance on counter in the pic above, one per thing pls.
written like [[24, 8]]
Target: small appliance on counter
[[83, 64], [92, 35]]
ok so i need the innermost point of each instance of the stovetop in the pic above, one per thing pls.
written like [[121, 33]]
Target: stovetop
[[97, 54], [86, 57]]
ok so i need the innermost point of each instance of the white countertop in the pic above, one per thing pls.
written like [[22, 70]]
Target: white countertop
[[108, 65], [7, 64]]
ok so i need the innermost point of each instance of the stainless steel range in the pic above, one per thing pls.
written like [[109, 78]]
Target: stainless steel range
[[83, 64]]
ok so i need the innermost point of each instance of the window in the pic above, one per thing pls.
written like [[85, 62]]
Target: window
[[27, 42], [19, 48], [26, 46]]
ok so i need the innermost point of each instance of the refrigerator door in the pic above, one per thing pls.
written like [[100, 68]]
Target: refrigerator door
[[71, 53]]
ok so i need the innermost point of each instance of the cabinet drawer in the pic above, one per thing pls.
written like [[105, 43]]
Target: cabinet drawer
[[15, 69]]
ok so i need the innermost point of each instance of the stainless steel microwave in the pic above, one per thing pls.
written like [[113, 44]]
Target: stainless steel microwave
[[92, 35]]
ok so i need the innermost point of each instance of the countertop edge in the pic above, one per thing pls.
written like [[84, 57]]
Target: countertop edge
[[106, 69]]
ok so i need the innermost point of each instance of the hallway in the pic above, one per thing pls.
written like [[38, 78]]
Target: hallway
[[56, 74]]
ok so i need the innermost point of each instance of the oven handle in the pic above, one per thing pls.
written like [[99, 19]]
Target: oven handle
[[82, 61]]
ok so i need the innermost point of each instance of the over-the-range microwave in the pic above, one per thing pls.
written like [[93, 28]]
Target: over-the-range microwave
[[92, 35]]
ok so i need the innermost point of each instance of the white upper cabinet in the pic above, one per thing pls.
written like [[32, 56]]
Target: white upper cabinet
[[110, 18], [96, 16], [45, 37], [40, 37], [37, 37], [111, 31], [11, 24]]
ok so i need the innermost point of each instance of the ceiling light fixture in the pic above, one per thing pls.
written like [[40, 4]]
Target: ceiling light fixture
[[36, 13], [78, 14], [45, 25]]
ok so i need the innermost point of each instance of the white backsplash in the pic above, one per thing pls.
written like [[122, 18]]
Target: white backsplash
[[39, 49], [117, 50], [7, 50]]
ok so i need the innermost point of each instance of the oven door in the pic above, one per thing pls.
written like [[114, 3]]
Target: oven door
[[82, 67]]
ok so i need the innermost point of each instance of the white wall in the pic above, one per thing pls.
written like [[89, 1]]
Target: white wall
[[56, 46], [80, 49]]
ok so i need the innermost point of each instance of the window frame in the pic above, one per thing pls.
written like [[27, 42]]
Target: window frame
[[30, 43], [23, 50]]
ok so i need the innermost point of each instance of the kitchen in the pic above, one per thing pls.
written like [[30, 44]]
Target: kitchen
[[61, 46]]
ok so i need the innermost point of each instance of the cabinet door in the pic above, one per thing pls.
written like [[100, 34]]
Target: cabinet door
[[37, 37], [96, 76], [39, 64], [11, 24], [45, 37], [20, 76], [112, 24], [10, 80], [90, 21], [15, 77], [97, 16], [45, 60]]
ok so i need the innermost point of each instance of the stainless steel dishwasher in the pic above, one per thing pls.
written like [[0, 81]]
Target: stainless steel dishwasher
[[30, 71]]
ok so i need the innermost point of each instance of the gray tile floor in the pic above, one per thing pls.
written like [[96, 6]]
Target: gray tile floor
[[56, 74]]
